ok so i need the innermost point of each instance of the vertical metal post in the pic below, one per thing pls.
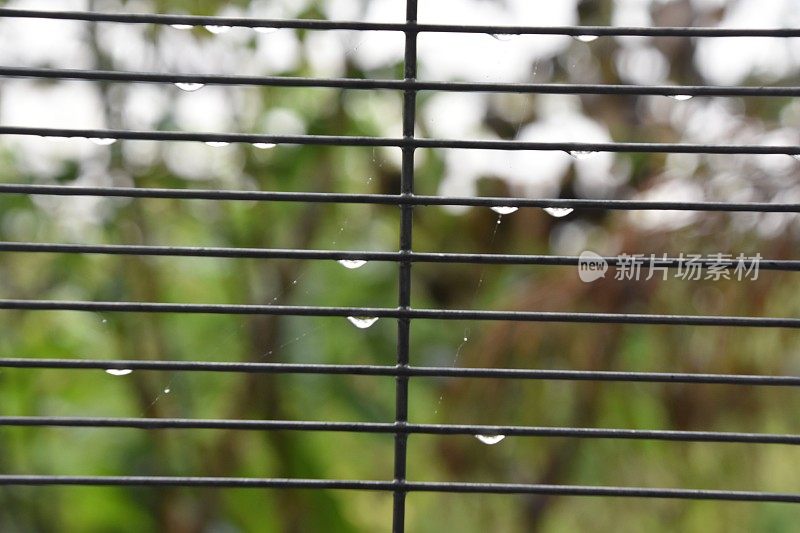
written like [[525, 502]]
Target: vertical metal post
[[406, 226]]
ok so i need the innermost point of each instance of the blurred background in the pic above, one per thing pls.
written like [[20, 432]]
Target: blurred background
[[598, 118]]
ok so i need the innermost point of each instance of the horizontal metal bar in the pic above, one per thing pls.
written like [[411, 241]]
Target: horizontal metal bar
[[198, 251], [392, 199], [401, 428], [347, 140], [321, 140], [337, 255], [195, 20], [614, 147], [382, 312], [210, 482], [610, 31], [245, 22], [371, 84], [391, 486], [394, 371]]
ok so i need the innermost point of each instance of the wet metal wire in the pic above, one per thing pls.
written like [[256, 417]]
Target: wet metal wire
[[406, 199]]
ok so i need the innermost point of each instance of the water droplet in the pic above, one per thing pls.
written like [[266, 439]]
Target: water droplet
[[580, 155], [352, 264], [586, 38], [118, 371], [189, 87], [504, 36], [505, 209], [167, 390], [102, 141], [182, 26], [217, 144], [263, 29], [218, 29], [681, 97], [362, 322], [55, 138], [466, 339], [558, 212], [490, 439], [264, 146], [105, 321]]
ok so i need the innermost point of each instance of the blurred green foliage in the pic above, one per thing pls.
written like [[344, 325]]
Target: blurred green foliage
[[81, 451]]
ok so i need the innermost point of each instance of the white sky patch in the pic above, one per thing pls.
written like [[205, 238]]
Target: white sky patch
[[283, 121], [197, 161], [570, 238], [189, 160], [342, 9], [777, 163], [727, 61], [528, 172], [44, 5], [65, 105], [145, 105], [541, 172], [706, 120], [455, 115], [386, 11], [641, 65], [206, 110], [631, 13], [21, 41], [126, 45], [442, 56], [325, 53], [377, 49], [479, 57], [277, 52], [669, 190], [276, 8], [483, 57]]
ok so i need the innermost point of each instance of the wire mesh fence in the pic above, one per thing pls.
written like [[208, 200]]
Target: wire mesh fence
[[403, 367]]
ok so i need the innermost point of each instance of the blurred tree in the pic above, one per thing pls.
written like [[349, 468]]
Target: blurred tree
[[365, 227]]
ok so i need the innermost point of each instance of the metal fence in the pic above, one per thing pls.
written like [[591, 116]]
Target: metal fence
[[405, 313]]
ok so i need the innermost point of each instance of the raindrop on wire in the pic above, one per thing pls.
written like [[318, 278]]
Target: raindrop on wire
[[182, 26], [118, 371], [352, 264], [264, 146], [189, 87], [586, 38], [102, 141], [265, 30], [558, 212], [490, 440], [217, 144], [218, 29], [681, 97], [362, 322], [505, 209], [504, 36], [582, 155]]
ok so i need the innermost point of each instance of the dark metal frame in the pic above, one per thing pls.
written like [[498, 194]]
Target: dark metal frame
[[405, 257]]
